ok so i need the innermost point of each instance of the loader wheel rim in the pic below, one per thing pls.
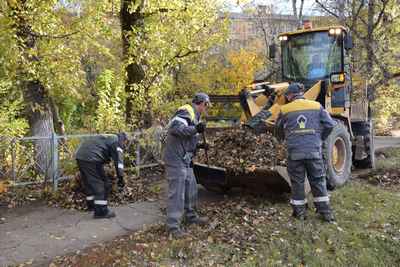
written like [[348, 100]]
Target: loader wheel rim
[[339, 155]]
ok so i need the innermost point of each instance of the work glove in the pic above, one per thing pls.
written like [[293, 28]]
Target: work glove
[[204, 146], [201, 127], [121, 184]]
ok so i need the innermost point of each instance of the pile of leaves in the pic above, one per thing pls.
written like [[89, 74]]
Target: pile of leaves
[[12, 197], [137, 188], [385, 178], [70, 193], [241, 150]]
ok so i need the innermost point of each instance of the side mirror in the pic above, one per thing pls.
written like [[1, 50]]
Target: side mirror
[[348, 41], [272, 51], [337, 78]]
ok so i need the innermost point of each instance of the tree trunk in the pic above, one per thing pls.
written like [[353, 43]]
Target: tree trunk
[[370, 42], [38, 112], [341, 7], [134, 71], [58, 122], [294, 7], [301, 12], [40, 120], [147, 115]]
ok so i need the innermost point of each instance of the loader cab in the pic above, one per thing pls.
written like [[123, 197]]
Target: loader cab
[[308, 56]]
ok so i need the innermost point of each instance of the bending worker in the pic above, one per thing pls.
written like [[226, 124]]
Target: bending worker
[[180, 147], [91, 157], [305, 124]]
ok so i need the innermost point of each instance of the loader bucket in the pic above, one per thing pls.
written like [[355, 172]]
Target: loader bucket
[[210, 175], [260, 179]]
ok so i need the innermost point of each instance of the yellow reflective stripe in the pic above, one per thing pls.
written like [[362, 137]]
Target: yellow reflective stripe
[[189, 109], [300, 105]]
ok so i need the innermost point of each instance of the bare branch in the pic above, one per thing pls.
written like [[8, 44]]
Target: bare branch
[[168, 64], [385, 80], [301, 10], [294, 8], [359, 9], [355, 16], [363, 21], [52, 36], [380, 14], [187, 53], [366, 44], [326, 9]]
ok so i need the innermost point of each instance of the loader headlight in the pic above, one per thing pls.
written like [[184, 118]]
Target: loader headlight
[[337, 78], [283, 38], [335, 31]]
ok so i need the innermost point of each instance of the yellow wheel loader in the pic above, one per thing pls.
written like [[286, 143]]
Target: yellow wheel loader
[[320, 59]]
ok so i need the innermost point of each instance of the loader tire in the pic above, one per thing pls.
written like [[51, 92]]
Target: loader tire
[[366, 129], [338, 156]]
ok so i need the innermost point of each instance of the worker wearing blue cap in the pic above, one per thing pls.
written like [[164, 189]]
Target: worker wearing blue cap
[[304, 124]]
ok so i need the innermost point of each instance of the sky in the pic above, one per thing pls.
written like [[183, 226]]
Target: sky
[[281, 7]]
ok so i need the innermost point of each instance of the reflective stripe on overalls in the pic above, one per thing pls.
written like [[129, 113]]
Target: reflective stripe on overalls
[[302, 122]]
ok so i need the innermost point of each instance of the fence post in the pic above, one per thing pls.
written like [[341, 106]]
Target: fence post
[[138, 159], [54, 161], [13, 160]]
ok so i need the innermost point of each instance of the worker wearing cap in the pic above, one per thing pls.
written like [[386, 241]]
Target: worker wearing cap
[[180, 147], [305, 124], [91, 156]]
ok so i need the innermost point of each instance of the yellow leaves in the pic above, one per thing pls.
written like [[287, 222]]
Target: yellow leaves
[[3, 187], [243, 66], [12, 3], [109, 113], [229, 78]]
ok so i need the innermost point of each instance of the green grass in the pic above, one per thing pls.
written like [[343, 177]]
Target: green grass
[[255, 231], [391, 159], [367, 233]]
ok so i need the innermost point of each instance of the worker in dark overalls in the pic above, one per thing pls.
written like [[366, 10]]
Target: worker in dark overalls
[[304, 124], [91, 157]]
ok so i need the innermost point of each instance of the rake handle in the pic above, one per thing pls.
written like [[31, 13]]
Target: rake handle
[[205, 150]]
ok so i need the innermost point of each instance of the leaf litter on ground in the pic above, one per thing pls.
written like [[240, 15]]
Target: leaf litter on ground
[[70, 193]]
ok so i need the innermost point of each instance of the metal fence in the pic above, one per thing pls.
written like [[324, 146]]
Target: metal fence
[[51, 159]]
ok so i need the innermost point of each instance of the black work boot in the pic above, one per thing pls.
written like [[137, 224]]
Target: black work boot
[[299, 212], [178, 233], [202, 221], [102, 212], [327, 217], [89, 205], [325, 211]]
